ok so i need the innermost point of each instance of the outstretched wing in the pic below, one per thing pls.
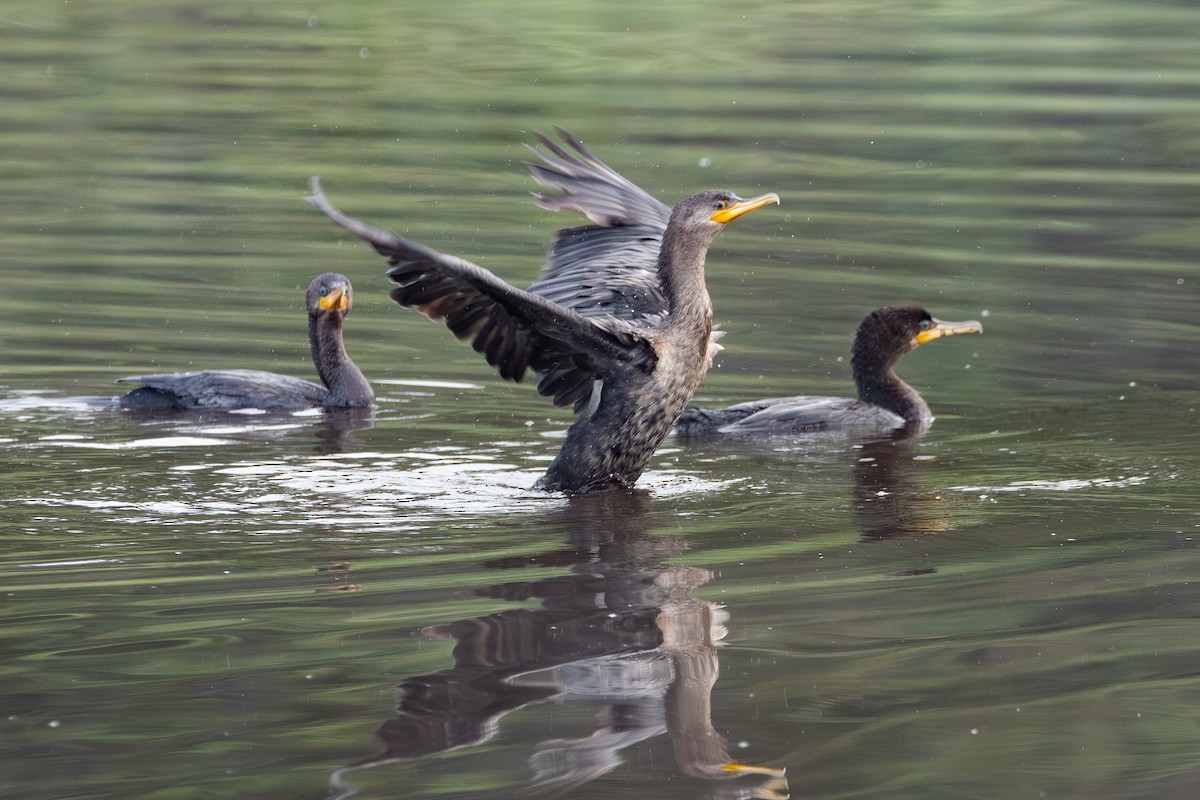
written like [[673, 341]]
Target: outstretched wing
[[589, 186], [609, 269], [515, 330]]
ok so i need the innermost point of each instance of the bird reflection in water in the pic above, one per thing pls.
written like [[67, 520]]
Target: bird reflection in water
[[890, 500], [622, 632], [332, 429], [335, 426]]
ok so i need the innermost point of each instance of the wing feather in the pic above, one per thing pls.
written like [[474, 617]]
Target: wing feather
[[514, 329], [609, 269], [587, 185]]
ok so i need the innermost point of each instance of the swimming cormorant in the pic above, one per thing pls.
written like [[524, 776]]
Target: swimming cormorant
[[885, 402], [329, 299]]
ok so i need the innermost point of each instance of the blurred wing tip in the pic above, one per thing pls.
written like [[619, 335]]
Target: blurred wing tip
[[318, 199], [574, 142], [545, 140]]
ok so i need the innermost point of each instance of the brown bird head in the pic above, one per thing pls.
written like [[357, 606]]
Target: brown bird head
[[887, 334]]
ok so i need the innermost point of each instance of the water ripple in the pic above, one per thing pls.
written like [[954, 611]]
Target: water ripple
[[1061, 485]]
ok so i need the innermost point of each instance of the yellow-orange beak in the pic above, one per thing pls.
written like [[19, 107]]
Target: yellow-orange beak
[[735, 210], [336, 299], [938, 329], [773, 785]]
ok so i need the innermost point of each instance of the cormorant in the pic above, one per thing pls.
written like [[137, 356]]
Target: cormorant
[[625, 341], [885, 402], [329, 300]]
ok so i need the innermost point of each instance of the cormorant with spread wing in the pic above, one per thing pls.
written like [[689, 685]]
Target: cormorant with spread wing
[[619, 325]]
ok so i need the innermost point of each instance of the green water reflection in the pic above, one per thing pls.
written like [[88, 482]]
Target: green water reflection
[[1003, 608]]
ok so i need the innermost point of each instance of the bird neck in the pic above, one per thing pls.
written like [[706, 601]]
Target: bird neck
[[338, 372], [879, 385], [681, 272]]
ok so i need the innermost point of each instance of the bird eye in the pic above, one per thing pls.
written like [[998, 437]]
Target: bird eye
[[924, 325], [720, 205], [324, 291]]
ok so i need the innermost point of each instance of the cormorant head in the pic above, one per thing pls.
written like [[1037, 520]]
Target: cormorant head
[[714, 208], [329, 293], [886, 334]]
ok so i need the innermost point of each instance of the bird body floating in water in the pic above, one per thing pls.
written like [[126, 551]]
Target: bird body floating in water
[[885, 402], [625, 342], [329, 299]]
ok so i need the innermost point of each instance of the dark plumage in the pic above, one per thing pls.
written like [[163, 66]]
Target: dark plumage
[[885, 402], [329, 299], [622, 337]]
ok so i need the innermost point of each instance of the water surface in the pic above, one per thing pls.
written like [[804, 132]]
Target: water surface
[[377, 605]]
